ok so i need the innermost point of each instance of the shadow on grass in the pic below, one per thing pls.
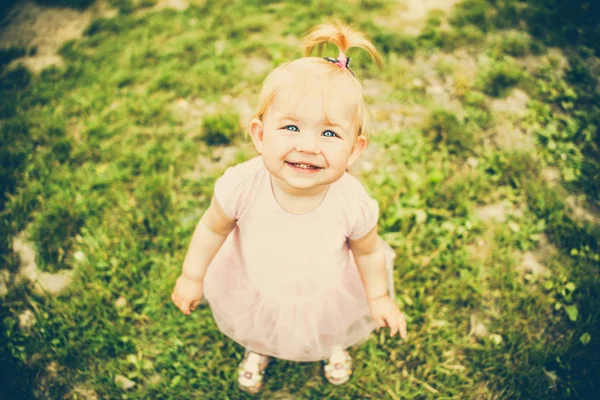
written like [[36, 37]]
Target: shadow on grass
[[573, 26], [574, 359], [77, 4], [16, 380], [6, 5]]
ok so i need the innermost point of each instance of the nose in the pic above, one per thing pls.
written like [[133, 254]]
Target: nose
[[307, 143]]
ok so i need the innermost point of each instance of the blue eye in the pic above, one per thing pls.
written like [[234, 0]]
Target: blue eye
[[289, 128], [329, 134]]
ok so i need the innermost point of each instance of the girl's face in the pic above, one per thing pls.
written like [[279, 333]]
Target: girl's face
[[309, 145]]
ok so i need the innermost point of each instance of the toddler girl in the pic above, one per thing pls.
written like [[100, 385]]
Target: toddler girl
[[287, 255]]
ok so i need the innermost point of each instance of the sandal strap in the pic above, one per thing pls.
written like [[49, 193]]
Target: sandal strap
[[252, 363], [339, 367]]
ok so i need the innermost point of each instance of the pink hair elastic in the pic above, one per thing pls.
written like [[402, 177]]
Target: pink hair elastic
[[341, 60]]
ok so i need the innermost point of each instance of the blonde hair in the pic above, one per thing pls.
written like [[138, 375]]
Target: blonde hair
[[298, 75]]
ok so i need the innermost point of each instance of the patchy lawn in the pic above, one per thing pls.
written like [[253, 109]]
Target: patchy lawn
[[484, 160]]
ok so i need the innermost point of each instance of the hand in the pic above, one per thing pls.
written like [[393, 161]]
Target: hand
[[187, 294], [386, 313]]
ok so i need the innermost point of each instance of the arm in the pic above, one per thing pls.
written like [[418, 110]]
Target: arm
[[370, 261], [368, 254], [208, 237]]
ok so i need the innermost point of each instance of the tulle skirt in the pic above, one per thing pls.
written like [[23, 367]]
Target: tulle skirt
[[288, 326]]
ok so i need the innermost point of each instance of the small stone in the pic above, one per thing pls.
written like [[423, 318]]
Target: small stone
[[531, 264], [496, 339], [123, 382], [478, 329], [418, 82], [493, 212], [472, 162], [513, 226], [79, 255], [178, 5], [44, 282], [120, 302], [26, 320], [435, 90], [155, 379], [552, 378], [82, 392]]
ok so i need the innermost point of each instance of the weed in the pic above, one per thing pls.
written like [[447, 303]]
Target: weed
[[220, 129], [446, 130], [514, 43], [499, 77], [430, 36], [372, 4], [477, 110], [16, 145], [464, 36], [55, 228], [512, 168], [401, 44], [472, 12]]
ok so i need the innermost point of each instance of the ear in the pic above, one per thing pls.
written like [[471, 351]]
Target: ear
[[256, 130], [359, 146]]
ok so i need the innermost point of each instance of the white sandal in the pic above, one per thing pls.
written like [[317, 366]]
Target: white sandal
[[338, 368], [250, 372]]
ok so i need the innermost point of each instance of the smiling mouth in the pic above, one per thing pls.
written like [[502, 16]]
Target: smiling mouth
[[303, 165]]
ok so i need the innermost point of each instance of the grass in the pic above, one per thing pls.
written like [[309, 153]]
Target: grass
[[100, 168]]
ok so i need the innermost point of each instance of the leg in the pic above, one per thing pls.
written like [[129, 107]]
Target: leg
[[338, 368], [250, 371], [389, 256]]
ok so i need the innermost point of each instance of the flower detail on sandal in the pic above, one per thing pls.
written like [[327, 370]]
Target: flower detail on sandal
[[250, 372], [338, 368]]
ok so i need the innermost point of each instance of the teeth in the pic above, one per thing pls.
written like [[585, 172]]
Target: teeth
[[305, 166]]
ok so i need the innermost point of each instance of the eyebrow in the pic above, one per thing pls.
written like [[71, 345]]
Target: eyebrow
[[328, 122]]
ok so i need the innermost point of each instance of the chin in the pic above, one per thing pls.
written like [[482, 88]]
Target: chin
[[299, 184]]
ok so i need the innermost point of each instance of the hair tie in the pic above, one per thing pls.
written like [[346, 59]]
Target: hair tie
[[341, 60]]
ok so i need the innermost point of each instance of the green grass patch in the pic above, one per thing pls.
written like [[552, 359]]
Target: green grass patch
[[220, 129], [500, 77], [444, 129]]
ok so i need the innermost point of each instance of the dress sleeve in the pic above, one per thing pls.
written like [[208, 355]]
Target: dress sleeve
[[229, 190], [365, 214]]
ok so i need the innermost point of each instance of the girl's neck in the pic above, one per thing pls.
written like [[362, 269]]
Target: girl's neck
[[297, 201]]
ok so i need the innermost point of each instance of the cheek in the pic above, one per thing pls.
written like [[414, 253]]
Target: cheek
[[277, 146], [337, 153]]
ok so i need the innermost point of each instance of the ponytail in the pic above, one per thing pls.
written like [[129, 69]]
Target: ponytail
[[340, 35]]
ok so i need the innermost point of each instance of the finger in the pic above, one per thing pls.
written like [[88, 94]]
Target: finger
[[184, 306], [393, 324], [402, 326], [394, 327], [380, 322], [194, 304]]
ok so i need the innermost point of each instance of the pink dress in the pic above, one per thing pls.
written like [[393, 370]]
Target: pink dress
[[287, 285]]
